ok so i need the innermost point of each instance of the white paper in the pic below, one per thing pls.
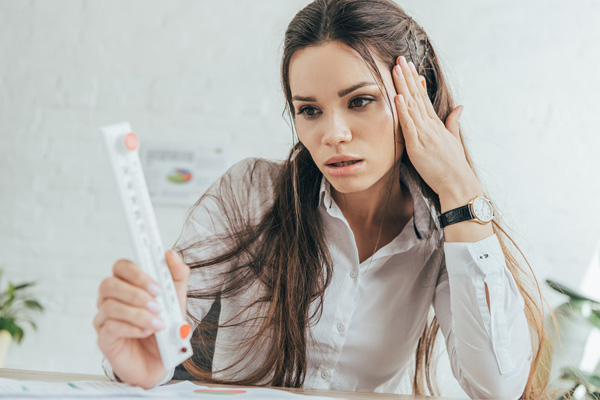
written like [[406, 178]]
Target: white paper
[[17, 388], [11, 388], [178, 173]]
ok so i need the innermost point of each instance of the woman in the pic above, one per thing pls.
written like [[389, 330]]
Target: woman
[[327, 265]]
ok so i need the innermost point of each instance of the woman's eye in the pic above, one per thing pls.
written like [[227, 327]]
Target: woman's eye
[[308, 111], [359, 102]]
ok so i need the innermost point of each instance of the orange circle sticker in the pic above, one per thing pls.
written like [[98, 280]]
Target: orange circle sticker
[[184, 331], [131, 141]]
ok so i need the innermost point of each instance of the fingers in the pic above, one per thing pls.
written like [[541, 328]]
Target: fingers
[[129, 285], [132, 273], [121, 329], [180, 272], [409, 130], [403, 89], [126, 303], [452, 121], [124, 292], [408, 84], [420, 88], [142, 318], [426, 100]]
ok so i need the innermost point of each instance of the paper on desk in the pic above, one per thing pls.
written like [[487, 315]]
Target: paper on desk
[[84, 390], [32, 389], [189, 389]]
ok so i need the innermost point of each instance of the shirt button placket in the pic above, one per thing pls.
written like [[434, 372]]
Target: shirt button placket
[[325, 375], [354, 273], [341, 327]]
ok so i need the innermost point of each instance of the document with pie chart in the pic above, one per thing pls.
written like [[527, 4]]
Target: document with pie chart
[[177, 173]]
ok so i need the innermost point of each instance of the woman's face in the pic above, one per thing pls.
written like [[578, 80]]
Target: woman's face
[[342, 116]]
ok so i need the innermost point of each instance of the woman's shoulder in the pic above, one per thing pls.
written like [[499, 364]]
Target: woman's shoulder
[[253, 168], [250, 181], [242, 194], [253, 174]]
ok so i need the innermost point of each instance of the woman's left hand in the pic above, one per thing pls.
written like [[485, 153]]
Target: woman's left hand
[[434, 149]]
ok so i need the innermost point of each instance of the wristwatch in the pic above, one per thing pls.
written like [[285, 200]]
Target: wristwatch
[[479, 210]]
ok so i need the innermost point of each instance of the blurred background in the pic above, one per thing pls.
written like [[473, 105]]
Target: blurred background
[[192, 72]]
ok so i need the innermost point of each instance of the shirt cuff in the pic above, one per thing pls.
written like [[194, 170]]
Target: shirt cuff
[[483, 257], [108, 371]]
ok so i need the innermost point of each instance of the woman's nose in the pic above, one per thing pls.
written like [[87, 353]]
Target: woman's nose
[[336, 130]]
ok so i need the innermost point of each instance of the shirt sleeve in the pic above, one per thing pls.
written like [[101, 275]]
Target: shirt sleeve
[[489, 349]]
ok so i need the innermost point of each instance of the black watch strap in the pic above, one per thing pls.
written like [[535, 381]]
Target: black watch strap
[[457, 215]]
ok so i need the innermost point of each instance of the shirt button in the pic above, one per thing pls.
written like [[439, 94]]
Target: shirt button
[[325, 375], [354, 273], [340, 327]]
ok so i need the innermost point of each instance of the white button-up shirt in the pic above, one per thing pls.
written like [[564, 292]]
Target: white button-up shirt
[[374, 312]]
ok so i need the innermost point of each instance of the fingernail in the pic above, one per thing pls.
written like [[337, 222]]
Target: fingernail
[[158, 324], [403, 61], [412, 66], [460, 111], [146, 332], [423, 83], [400, 99], [154, 289], [153, 306]]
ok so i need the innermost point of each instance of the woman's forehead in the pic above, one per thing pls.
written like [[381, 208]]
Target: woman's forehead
[[328, 67]]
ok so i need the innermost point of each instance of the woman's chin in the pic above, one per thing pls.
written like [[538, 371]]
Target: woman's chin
[[346, 185]]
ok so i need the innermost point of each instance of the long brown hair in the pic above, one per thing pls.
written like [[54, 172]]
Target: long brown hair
[[285, 250]]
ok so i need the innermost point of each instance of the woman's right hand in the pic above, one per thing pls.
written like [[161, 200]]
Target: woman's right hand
[[127, 319]]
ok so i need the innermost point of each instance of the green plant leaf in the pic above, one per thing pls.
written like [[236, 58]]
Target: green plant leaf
[[9, 325], [24, 285], [17, 308], [18, 335], [9, 301], [11, 290], [33, 305]]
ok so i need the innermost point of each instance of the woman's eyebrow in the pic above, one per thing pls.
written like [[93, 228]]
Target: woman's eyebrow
[[341, 93], [352, 88]]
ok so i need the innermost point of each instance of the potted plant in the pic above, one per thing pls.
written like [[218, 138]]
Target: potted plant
[[17, 307]]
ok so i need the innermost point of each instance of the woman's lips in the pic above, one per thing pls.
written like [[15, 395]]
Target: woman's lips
[[345, 170]]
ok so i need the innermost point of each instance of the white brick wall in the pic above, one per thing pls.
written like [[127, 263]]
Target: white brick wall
[[525, 71]]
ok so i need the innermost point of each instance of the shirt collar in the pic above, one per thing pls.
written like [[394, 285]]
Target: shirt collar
[[424, 214]]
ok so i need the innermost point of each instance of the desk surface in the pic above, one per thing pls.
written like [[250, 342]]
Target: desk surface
[[64, 377]]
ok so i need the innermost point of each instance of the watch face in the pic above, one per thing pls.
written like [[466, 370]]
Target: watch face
[[483, 210]]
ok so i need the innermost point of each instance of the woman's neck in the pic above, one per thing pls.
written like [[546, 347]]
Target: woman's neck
[[371, 207]]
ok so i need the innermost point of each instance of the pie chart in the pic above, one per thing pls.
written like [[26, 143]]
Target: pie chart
[[180, 175]]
